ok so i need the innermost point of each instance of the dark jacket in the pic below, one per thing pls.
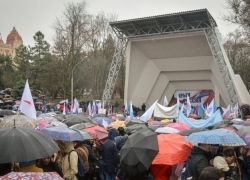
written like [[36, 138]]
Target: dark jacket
[[110, 152], [51, 167], [199, 159], [234, 172], [91, 157]]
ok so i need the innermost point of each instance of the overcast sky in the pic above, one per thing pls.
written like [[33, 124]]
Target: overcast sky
[[30, 16]]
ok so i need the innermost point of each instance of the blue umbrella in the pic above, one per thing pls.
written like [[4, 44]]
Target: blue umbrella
[[216, 137], [99, 120], [63, 133]]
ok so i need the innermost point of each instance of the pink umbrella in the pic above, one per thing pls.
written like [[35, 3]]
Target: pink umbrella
[[102, 134], [179, 126], [192, 119], [43, 125], [92, 129]]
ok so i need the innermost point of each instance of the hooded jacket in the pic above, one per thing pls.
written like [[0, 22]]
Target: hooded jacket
[[110, 152], [199, 159], [91, 157]]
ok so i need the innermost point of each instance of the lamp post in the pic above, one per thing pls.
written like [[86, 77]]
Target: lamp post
[[72, 80]]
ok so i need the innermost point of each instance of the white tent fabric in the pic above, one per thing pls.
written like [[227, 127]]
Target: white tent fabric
[[165, 112]]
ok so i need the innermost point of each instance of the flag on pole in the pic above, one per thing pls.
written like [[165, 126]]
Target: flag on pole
[[188, 106], [44, 106], [182, 107], [226, 111], [93, 109], [131, 111], [178, 105], [235, 111], [104, 123], [148, 114], [88, 111], [27, 106], [64, 112], [165, 101], [210, 109]]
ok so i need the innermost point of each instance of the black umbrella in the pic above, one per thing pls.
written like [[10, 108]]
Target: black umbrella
[[139, 151], [190, 131], [76, 120], [135, 127], [19, 144], [7, 112], [140, 113], [60, 117], [134, 121]]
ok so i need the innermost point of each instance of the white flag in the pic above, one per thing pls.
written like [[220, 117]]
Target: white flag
[[165, 101], [188, 106], [104, 123], [210, 109], [147, 115], [27, 106], [182, 107], [226, 112], [64, 112]]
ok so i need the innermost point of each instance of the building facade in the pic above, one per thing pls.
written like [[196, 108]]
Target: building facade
[[13, 41]]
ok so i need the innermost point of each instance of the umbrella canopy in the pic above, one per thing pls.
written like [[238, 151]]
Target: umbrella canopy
[[216, 137], [43, 125], [19, 121], [243, 131], [60, 117], [76, 120], [100, 119], [178, 126], [78, 126], [63, 133], [135, 127], [32, 175], [86, 134], [46, 119], [167, 130], [50, 104], [165, 120], [139, 151], [246, 139], [190, 131], [20, 144], [117, 124], [102, 134], [174, 148], [134, 121], [155, 123], [92, 130], [44, 115], [57, 123], [7, 112]]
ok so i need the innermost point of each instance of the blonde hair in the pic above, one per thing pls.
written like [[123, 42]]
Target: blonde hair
[[65, 147]]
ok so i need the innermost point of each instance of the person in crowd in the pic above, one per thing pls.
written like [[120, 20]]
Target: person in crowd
[[91, 158], [122, 133], [244, 162], [83, 153], [211, 173], [99, 147], [29, 166], [120, 141], [220, 163], [110, 154], [5, 169], [199, 159], [69, 159], [213, 152], [232, 162], [49, 165], [116, 106], [143, 107]]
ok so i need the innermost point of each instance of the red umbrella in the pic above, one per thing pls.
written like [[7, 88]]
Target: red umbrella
[[101, 134], [173, 147], [92, 129], [179, 126], [32, 175]]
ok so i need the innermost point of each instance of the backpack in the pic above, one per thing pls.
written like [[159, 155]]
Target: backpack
[[86, 153], [81, 170], [187, 173]]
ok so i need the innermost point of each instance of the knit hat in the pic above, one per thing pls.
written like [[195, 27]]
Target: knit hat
[[220, 163]]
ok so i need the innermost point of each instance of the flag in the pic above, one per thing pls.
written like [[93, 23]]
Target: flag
[[88, 111], [178, 105], [104, 123], [235, 111], [64, 112], [201, 110], [75, 106], [210, 109], [182, 107], [188, 106], [165, 101], [27, 106], [44, 106], [126, 106], [93, 109], [131, 114], [148, 114], [226, 111], [110, 111]]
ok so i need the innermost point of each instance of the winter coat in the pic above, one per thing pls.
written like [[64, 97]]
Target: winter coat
[[161, 172], [69, 170], [91, 157], [199, 160], [110, 152], [51, 167], [234, 172], [84, 154]]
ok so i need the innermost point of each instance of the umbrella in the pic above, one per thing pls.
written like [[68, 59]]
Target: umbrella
[[179, 126], [117, 124], [243, 131], [237, 126], [63, 101], [78, 126], [38, 102], [190, 131], [216, 137], [165, 120], [135, 127], [20, 144], [44, 115], [32, 175], [50, 104], [19, 121], [139, 151], [155, 123], [92, 129], [246, 123], [76, 120], [7, 112], [46, 119], [100, 119], [153, 128], [174, 148], [166, 130], [134, 121], [63, 133], [114, 117], [60, 117], [246, 139], [57, 123], [86, 134], [102, 134], [43, 125], [34, 98]]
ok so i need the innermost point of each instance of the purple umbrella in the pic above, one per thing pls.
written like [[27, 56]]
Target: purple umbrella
[[246, 138], [63, 133]]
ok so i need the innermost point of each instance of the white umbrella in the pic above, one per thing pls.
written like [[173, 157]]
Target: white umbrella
[[166, 130]]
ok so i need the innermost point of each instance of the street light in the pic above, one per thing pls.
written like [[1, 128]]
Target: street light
[[72, 80]]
